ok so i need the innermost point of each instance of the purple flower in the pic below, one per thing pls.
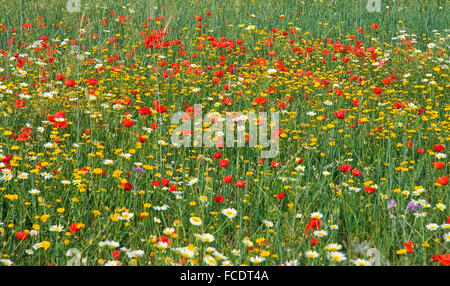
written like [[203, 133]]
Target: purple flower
[[137, 169], [412, 206], [391, 204]]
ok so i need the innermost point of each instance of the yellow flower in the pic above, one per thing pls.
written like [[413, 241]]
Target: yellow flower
[[44, 217], [45, 244], [401, 251], [11, 197], [96, 213]]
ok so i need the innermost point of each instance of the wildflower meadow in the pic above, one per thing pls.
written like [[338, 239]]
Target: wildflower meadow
[[240, 132]]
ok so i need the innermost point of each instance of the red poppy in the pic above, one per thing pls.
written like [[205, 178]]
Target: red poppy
[[160, 108], [442, 180], [223, 163], [126, 186], [444, 259], [187, 132], [22, 235], [313, 224], [398, 105], [219, 199], [377, 90], [345, 168], [313, 241], [23, 137], [58, 115], [165, 182], [409, 144], [217, 155], [259, 101], [75, 227], [7, 158], [144, 111], [281, 195], [70, 83], [409, 246], [438, 165], [60, 124], [163, 238], [240, 184], [439, 148], [356, 172], [435, 257], [369, 190], [116, 254], [20, 104], [228, 179], [92, 81], [25, 134], [277, 133], [127, 122], [340, 114], [420, 111], [386, 81]]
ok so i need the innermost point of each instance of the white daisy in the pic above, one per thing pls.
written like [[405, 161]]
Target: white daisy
[[57, 228], [126, 216], [256, 259], [361, 262], [447, 236], [432, 226], [311, 254], [268, 223], [320, 233], [195, 221], [229, 212], [336, 256]]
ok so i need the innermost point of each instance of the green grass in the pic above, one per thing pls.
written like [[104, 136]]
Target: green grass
[[384, 157]]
